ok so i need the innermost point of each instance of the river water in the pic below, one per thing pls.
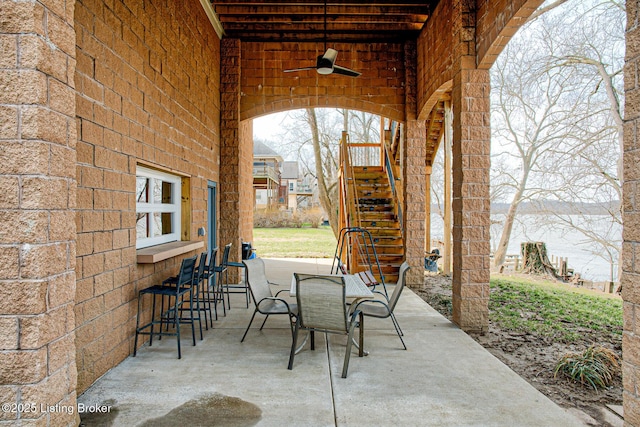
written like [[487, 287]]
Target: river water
[[582, 255]]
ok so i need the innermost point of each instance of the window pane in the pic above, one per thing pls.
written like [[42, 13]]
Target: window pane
[[142, 229], [162, 191], [167, 223], [142, 189], [162, 224]]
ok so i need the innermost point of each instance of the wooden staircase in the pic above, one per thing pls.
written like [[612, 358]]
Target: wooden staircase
[[377, 213]]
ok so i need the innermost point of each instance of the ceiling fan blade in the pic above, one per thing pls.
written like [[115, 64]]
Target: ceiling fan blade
[[330, 55], [299, 69], [345, 71]]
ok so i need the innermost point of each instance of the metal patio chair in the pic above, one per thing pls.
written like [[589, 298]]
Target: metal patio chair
[[322, 307], [266, 302], [382, 309]]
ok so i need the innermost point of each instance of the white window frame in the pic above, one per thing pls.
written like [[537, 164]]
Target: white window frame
[[175, 207]]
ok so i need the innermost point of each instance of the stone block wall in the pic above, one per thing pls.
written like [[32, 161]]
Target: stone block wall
[[37, 198], [413, 177], [147, 92], [266, 88], [434, 60], [630, 279], [497, 22]]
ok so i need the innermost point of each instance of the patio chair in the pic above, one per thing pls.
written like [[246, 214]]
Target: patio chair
[[382, 309], [219, 274], [183, 288], [266, 303], [322, 307]]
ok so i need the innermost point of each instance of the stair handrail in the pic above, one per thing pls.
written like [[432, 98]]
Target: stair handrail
[[345, 235], [348, 196], [399, 200]]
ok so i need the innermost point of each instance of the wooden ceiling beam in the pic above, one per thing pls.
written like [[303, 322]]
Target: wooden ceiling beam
[[330, 3], [309, 20], [319, 10], [346, 28], [270, 36], [256, 18]]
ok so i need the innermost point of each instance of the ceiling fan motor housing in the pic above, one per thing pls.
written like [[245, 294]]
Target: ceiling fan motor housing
[[324, 65]]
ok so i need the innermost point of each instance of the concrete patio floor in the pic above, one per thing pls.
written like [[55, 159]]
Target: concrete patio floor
[[444, 378]]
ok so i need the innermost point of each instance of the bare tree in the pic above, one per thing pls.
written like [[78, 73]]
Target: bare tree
[[312, 136], [556, 112], [326, 169], [530, 120]]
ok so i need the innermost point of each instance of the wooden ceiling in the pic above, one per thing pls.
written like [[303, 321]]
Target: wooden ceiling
[[354, 21]]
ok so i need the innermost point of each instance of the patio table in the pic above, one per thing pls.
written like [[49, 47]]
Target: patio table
[[354, 287]]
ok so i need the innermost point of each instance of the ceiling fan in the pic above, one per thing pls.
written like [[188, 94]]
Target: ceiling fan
[[326, 64]]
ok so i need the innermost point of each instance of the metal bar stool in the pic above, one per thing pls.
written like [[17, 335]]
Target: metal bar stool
[[172, 315], [222, 275], [243, 286], [210, 288]]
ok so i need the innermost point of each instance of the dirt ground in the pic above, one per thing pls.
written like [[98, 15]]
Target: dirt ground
[[534, 358]]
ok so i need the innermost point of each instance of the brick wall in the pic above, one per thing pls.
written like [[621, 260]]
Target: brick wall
[[497, 22], [267, 89], [435, 60], [631, 231], [231, 157], [37, 195], [148, 90], [413, 176]]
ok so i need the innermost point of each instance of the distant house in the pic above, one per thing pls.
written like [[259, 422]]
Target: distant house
[[267, 170], [278, 184], [300, 187]]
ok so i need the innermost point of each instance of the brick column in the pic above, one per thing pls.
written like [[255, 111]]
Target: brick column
[[414, 175], [37, 198], [630, 279], [236, 156], [471, 163]]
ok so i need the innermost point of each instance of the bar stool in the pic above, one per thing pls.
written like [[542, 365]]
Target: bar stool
[[210, 275], [198, 281], [222, 276], [173, 316], [242, 287]]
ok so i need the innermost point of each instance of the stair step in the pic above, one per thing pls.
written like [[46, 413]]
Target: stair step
[[358, 169], [371, 177], [390, 250], [377, 193], [382, 183], [368, 216], [375, 201], [379, 223], [388, 262], [387, 240], [375, 208]]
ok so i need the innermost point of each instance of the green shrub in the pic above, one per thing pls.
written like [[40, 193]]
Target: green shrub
[[596, 366]]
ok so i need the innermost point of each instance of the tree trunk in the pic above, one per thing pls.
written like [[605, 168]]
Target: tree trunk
[[325, 188], [535, 259], [501, 251]]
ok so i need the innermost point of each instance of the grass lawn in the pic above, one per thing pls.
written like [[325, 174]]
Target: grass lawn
[[294, 242], [553, 310]]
